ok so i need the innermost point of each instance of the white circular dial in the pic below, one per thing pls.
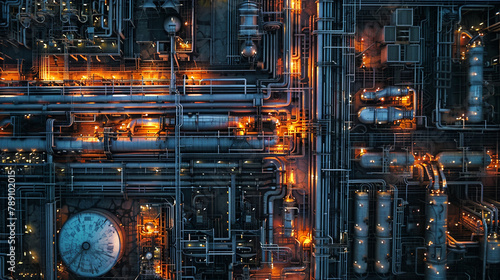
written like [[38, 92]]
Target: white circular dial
[[90, 243]]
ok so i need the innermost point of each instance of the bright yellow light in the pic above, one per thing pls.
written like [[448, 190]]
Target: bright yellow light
[[307, 241]]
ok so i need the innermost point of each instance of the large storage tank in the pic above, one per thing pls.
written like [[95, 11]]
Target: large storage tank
[[91, 243], [396, 159], [456, 159]]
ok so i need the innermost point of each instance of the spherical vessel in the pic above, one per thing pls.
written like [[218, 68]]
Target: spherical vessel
[[91, 243], [172, 20]]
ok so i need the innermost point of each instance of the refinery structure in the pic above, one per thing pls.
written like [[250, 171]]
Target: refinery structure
[[249, 139]]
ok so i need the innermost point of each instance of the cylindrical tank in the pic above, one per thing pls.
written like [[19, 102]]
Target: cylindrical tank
[[396, 159], [361, 210], [289, 206], [361, 221], [493, 249], [435, 234], [435, 271], [383, 232], [249, 26], [473, 159], [475, 95], [386, 92], [383, 217], [383, 115], [360, 255], [382, 255]]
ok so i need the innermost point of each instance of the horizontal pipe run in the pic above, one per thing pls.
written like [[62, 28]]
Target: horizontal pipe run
[[126, 144]]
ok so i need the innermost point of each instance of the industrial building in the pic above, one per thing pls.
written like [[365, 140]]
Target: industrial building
[[249, 139]]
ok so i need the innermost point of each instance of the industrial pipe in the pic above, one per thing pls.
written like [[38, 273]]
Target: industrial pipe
[[126, 144]]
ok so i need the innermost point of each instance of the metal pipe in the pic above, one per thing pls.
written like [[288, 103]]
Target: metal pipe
[[122, 98], [127, 144]]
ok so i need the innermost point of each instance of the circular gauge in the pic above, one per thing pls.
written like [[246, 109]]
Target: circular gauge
[[90, 243]]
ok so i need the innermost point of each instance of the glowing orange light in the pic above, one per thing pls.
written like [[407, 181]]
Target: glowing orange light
[[292, 177], [307, 241]]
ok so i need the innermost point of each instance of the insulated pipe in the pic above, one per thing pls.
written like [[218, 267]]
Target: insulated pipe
[[475, 96], [361, 222], [435, 235], [383, 232], [7, 121], [452, 242], [386, 92], [270, 196], [125, 144], [383, 115], [457, 159], [377, 160], [435, 174], [120, 108], [122, 98], [197, 122], [139, 165]]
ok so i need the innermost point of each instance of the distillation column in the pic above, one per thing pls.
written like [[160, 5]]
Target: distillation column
[[475, 94]]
